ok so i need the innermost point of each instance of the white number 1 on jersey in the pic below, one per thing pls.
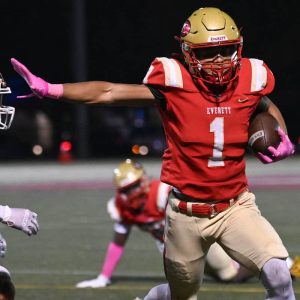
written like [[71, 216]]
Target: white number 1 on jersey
[[217, 127]]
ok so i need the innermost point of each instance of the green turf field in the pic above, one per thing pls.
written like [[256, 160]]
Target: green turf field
[[75, 230]]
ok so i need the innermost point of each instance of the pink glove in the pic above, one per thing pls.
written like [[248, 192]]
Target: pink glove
[[285, 149], [39, 86]]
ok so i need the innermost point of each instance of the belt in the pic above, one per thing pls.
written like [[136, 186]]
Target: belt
[[190, 207]]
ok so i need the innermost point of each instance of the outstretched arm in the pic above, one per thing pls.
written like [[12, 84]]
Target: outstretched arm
[[91, 92], [96, 92]]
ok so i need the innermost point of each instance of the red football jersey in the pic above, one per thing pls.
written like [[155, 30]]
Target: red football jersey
[[154, 208], [206, 136]]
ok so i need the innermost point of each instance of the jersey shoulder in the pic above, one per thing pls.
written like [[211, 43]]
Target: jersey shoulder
[[256, 77], [166, 73]]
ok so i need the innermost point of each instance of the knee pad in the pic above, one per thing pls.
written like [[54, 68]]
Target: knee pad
[[276, 278]]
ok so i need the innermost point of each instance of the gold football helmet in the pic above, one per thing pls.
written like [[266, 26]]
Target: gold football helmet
[[211, 44], [128, 173], [132, 185]]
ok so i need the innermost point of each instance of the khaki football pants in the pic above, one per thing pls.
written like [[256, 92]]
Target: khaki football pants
[[241, 230]]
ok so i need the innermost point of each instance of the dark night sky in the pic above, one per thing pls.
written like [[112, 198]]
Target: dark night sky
[[123, 37]]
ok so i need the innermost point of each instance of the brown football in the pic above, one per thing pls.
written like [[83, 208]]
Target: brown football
[[263, 133]]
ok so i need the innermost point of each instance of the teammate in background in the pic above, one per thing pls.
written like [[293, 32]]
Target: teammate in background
[[206, 98], [141, 201], [19, 218]]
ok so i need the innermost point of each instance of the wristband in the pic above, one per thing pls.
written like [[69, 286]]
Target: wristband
[[55, 91]]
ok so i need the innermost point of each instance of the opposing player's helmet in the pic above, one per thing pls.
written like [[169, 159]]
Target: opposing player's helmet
[[6, 112], [211, 44], [131, 183]]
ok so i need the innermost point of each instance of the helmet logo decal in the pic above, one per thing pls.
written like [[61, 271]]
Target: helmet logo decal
[[217, 38], [186, 28]]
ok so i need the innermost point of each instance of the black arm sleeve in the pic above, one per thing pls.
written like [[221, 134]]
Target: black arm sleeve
[[159, 97], [155, 92], [263, 104]]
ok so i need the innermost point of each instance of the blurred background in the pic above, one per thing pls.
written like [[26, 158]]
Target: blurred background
[[77, 40]]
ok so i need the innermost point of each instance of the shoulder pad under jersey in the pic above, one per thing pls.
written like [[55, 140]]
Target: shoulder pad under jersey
[[166, 72], [262, 78]]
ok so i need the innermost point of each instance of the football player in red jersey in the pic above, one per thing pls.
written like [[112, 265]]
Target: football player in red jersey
[[141, 201], [205, 102]]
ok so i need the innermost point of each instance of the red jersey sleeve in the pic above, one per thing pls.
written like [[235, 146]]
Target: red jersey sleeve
[[155, 75], [262, 78], [168, 73]]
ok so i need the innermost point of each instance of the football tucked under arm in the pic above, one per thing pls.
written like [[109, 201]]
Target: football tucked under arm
[[263, 133], [267, 140]]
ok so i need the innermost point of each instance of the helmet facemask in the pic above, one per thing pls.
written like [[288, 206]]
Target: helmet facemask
[[7, 113], [213, 64], [211, 45], [135, 195]]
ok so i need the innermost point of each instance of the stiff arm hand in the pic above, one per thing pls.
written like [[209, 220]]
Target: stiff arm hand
[[19, 218], [285, 149], [40, 88]]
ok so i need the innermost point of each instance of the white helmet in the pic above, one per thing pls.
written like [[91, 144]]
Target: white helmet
[[7, 113]]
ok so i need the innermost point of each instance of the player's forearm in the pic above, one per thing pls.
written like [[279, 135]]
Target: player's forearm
[[97, 92], [92, 92], [275, 112]]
